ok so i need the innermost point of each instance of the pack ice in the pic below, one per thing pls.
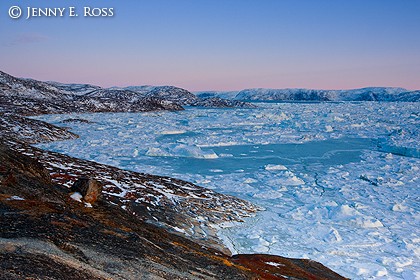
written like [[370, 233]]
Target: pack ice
[[339, 182]]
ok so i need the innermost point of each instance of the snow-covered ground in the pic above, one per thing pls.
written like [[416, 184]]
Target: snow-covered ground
[[339, 181]]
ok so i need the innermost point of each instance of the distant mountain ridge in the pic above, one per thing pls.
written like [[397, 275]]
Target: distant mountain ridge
[[388, 94], [32, 97], [169, 93]]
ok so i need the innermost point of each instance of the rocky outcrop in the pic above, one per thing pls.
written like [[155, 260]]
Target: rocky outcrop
[[90, 189], [43, 233], [15, 165], [180, 207], [173, 94], [46, 235]]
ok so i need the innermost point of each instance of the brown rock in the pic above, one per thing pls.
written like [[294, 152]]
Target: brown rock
[[45, 237], [276, 267], [90, 189], [13, 164]]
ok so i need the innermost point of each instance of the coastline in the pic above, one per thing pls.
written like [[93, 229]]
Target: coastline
[[126, 188], [64, 170], [294, 234], [142, 225]]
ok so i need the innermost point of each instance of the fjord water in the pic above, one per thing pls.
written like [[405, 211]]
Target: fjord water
[[330, 176]]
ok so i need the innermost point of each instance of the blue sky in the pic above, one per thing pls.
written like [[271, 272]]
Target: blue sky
[[219, 44]]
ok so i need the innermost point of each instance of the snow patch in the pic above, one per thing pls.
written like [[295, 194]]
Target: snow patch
[[275, 264], [77, 196], [15, 197]]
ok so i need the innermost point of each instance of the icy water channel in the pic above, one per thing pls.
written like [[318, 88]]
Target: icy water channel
[[330, 176]]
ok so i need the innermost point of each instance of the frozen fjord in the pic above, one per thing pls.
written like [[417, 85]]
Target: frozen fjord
[[339, 181]]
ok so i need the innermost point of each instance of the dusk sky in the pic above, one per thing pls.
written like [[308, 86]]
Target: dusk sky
[[219, 44]]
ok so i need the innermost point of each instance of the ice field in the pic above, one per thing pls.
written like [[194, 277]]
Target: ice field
[[339, 182]]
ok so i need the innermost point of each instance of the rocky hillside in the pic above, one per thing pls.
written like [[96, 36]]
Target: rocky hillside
[[178, 206], [171, 94], [31, 97], [139, 226], [17, 128], [44, 234]]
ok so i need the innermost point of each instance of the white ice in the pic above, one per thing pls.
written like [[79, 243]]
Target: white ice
[[339, 181]]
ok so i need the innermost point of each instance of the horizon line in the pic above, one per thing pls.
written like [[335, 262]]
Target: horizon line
[[212, 90]]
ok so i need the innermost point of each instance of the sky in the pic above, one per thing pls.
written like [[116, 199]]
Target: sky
[[218, 44]]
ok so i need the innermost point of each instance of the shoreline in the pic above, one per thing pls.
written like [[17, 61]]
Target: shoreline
[[59, 172], [65, 170]]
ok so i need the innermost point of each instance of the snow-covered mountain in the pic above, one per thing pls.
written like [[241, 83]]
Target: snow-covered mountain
[[134, 93], [409, 96], [172, 93], [362, 94], [76, 89], [16, 87], [32, 97]]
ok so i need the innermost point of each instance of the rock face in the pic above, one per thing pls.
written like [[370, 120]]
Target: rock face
[[28, 168], [268, 266], [90, 189]]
